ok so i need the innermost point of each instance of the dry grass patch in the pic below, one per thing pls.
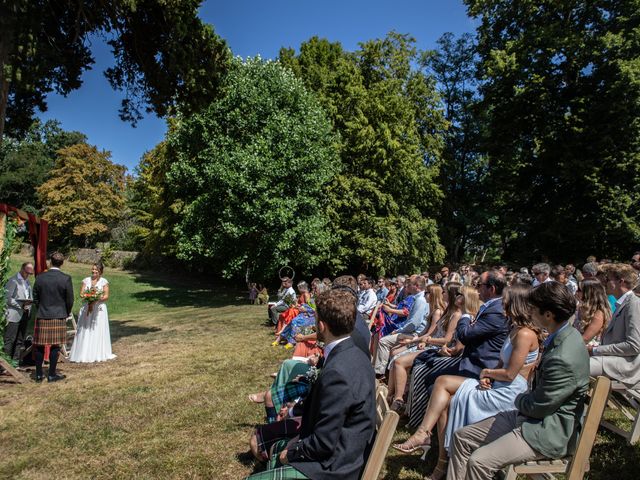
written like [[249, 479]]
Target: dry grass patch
[[173, 404]]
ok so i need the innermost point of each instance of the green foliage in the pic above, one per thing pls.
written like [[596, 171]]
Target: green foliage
[[25, 164], [9, 235], [388, 116], [463, 168], [83, 198], [251, 173], [164, 55], [561, 93]]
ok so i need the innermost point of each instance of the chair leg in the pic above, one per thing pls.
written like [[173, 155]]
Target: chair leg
[[510, 473], [634, 435]]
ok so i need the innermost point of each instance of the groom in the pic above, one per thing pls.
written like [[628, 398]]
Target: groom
[[53, 295]]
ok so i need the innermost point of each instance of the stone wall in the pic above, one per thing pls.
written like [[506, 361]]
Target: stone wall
[[111, 258]]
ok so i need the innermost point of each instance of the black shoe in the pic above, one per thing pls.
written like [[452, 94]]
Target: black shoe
[[56, 377], [38, 378]]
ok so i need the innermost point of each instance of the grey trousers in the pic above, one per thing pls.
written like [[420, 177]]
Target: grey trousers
[[382, 356], [275, 311], [14, 333], [478, 451]]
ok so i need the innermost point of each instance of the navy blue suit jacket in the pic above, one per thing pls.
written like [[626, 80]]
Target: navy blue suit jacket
[[482, 339], [339, 418]]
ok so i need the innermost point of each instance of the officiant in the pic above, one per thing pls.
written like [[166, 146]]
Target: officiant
[[19, 299]]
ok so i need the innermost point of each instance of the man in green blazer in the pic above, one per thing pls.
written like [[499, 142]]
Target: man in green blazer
[[548, 418]]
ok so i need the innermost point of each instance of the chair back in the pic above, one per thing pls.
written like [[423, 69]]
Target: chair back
[[383, 441], [579, 464], [382, 406]]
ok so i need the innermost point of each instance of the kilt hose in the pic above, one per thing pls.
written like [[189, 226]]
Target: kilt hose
[[275, 470], [50, 331]]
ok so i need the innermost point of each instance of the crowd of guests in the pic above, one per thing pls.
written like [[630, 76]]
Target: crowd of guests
[[494, 364]]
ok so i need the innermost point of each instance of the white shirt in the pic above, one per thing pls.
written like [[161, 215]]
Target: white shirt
[[536, 282], [26, 287], [622, 298], [367, 301], [282, 294], [328, 348]]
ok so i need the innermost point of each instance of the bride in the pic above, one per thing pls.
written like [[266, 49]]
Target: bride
[[93, 341]]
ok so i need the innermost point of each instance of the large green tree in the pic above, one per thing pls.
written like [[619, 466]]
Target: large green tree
[[164, 55], [463, 216], [25, 164], [561, 91], [249, 175], [383, 203], [83, 197]]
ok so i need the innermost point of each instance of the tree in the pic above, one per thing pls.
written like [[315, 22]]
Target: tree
[[250, 174], [164, 55], [561, 90], [462, 218], [83, 197], [383, 202], [25, 164]]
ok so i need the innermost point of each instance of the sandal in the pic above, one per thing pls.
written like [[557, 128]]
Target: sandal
[[441, 469], [410, 446], [256, 397], [397, 405]]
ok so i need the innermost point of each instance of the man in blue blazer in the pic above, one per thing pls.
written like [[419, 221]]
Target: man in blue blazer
[[484, 336], [338, 420]]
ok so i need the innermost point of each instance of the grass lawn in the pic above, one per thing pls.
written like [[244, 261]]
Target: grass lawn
[[173, 404]]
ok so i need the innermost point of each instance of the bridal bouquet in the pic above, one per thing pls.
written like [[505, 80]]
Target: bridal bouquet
[[91, 295]]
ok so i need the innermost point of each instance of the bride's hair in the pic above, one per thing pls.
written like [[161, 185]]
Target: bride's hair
[[99, 266]]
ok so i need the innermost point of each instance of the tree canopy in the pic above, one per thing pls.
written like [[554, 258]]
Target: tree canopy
[[249, 175], [83, 196], [164, 55], [390, 123], [561, 92]]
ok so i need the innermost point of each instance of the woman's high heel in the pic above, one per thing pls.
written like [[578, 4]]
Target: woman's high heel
[[410, 446]]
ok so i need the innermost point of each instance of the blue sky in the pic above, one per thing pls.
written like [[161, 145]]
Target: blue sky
[[252, 27]]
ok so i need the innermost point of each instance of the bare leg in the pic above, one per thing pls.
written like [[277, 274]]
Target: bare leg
[[258, 397], [391, 382], [268, 400], [444, 388], [402, 367]]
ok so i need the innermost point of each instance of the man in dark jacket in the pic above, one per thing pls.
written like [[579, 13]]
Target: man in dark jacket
[[53, 295], [338, 421]]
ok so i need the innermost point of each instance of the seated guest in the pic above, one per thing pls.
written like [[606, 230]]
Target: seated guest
[[415, 323], [392, 317], [286, 386], [459, 401], [401, 293], [482, 339], [618, 355], [361, 334], [367, 298], [338, 420], [441, 326], [286, 292], [383, 290], [541, 272], [263, 295], [546, 421], [593, 313]]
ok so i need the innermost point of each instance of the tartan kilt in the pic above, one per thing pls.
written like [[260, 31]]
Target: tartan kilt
[[50, 331]]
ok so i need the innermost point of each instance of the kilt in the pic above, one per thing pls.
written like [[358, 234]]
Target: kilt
[[50, 331], [271, 433]]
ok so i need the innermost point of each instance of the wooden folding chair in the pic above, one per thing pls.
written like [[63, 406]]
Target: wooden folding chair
[[71, 334], [627, 401], [383, 441], [382, 406], [574, 467]]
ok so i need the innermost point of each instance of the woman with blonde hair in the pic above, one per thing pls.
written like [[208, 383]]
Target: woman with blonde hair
[[403, 358], [593, 313], [458, 401]]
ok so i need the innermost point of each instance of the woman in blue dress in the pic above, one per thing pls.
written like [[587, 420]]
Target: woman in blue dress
[[459, 401]]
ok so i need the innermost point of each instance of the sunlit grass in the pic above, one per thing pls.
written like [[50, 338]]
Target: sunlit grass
[[173, 404]]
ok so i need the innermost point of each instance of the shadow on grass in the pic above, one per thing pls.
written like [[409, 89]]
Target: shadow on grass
[[121, 329], [613, 457], [180, 292]]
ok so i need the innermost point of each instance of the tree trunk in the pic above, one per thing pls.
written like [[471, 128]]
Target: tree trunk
[[7, 24]]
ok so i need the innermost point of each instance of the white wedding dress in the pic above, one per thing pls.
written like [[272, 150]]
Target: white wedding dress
[[93, 340]]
